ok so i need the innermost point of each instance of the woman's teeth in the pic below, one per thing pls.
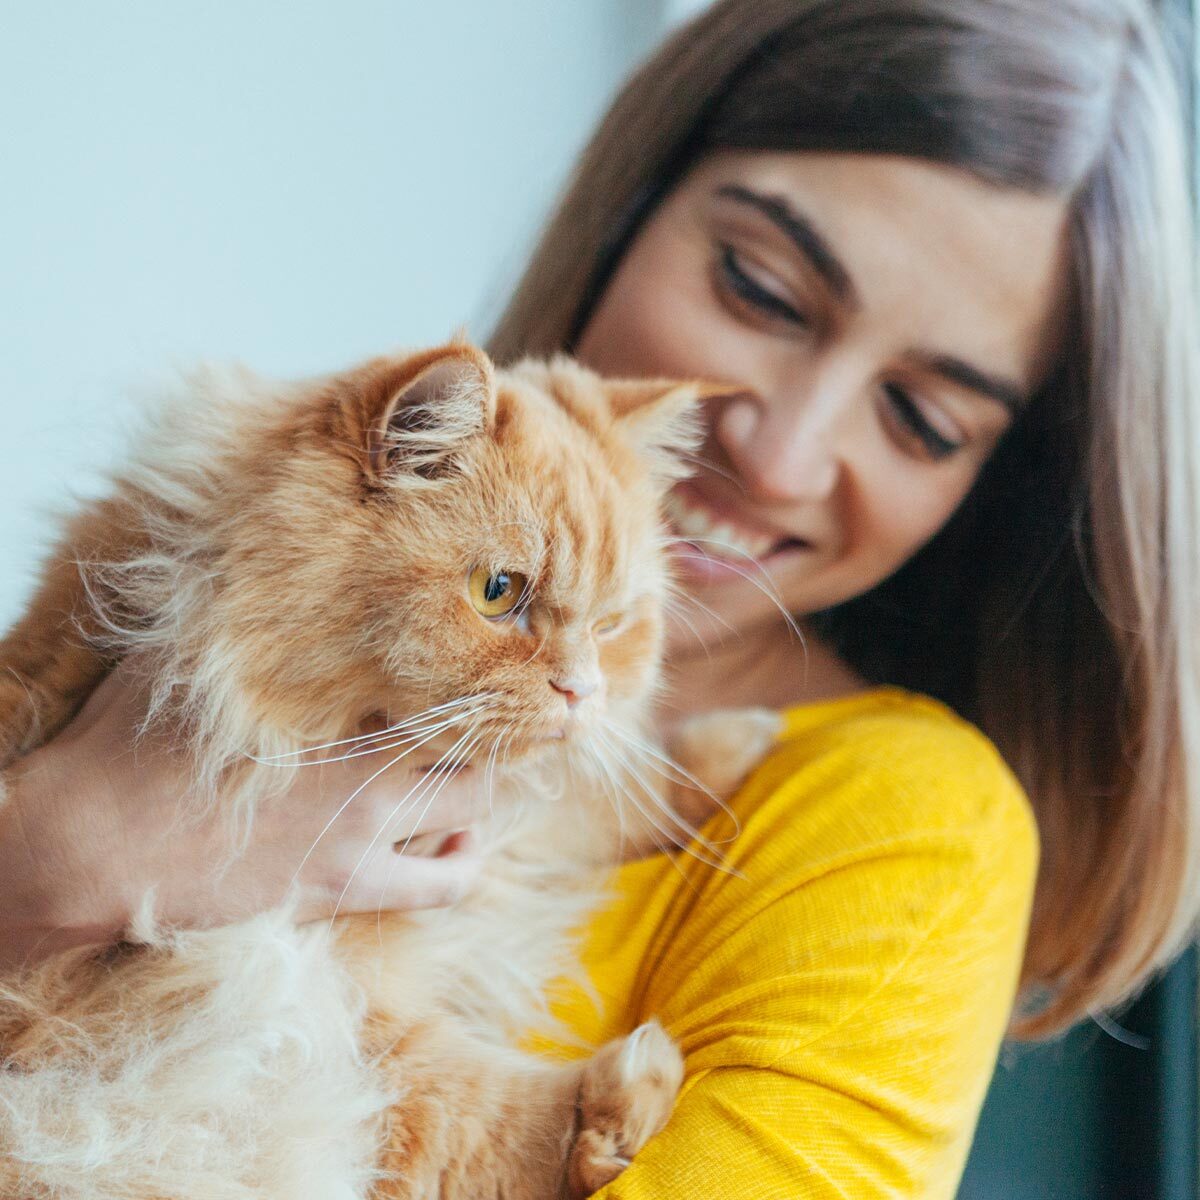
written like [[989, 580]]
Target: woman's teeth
[[714, 536]]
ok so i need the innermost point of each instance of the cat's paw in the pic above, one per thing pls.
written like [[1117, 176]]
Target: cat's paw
[[721, 748], [625, 1097]]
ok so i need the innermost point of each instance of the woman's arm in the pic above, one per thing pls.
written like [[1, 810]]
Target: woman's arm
[[95, 824], [857, 1078]]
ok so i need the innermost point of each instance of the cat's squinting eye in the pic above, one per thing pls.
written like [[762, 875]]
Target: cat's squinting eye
[[495, 594], [607, 625]]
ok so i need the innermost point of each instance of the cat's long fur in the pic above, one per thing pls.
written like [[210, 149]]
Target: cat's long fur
[[288, 561]]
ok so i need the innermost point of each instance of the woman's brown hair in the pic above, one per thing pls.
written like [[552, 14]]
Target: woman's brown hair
[[1057, 609]]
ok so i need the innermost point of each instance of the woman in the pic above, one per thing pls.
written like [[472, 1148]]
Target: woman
[[944, 247]]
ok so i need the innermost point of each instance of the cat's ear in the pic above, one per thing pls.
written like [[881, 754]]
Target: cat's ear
[[663, 420], [428, 409]]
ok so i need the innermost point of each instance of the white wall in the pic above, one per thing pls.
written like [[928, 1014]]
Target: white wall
[[296, 184]]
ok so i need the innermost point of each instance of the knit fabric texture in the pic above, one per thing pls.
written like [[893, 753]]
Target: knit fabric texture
[[841, 991]]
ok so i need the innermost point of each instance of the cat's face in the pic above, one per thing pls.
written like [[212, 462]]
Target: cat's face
[[483, 547]]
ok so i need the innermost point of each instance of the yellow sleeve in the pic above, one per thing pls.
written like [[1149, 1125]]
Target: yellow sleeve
[[840, 1000]]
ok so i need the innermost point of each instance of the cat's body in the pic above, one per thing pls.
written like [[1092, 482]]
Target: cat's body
[[269, 1060], [295, 566]]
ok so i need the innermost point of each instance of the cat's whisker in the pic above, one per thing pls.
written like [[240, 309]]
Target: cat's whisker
[[355, 794], [622, 775], [409, 736], [600, 776], [414, 720], [537, 650], [522, 604], [725, 544], [442, 770], [674, 610], [507, 747], [670, 769], [409, 800], [674, 771], [615, 790], [607, 781], [489, 774], [385, 747], [698, 460], [771, 593], [374, 735], [682, 826], [447, 773], [377, 734], [676, 592]]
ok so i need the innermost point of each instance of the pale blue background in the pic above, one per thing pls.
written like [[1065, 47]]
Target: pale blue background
[[293, 184]]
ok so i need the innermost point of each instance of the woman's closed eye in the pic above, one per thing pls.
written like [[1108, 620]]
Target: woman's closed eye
[[913, 423], [745, 283]]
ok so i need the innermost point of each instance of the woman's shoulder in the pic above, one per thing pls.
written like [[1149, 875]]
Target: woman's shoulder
[[886, 766], [881, 864], [876, 872], [880, 822], [875, 724]]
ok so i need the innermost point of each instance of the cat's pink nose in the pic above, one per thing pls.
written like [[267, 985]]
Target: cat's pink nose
[[575, 688]]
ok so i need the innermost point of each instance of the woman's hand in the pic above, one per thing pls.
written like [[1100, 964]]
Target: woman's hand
[[98, 820]]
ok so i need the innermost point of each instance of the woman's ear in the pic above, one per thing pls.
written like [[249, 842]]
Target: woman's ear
[[662, 420], [422, 412]]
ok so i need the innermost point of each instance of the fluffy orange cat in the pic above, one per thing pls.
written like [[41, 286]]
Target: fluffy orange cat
[[477, 554]]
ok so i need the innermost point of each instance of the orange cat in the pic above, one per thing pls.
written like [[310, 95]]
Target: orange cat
[[479, 552]]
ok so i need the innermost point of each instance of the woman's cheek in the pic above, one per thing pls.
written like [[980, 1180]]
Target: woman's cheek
[[893, 523]]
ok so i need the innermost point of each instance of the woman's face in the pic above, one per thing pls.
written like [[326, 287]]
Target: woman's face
[[887, 319]]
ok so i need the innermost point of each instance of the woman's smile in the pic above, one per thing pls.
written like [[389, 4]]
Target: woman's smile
[[731, 535]]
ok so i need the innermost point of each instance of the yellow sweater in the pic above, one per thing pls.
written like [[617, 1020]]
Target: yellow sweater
[[841, 1003]]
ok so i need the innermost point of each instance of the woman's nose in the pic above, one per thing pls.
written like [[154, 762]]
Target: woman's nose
[[786, 450]]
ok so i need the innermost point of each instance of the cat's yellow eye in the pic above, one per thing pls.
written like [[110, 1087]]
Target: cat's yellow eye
[[495, 593]]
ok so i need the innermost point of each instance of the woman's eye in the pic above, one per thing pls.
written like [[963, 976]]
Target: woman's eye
[[738, 279], [495, 594], [914, 421]]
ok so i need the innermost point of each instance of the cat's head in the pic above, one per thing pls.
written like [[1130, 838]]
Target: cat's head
[[435, 536]]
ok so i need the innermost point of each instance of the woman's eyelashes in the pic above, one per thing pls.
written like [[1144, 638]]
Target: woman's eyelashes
[[737, 278], [915, 424]]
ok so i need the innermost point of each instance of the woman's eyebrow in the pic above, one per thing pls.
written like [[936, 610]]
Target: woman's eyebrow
[[802, 234], [1004, 391]]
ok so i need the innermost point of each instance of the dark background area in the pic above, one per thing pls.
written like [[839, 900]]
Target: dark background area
[[1098, 1115]]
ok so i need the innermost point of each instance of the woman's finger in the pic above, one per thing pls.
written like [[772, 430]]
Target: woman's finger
[[396, 802], [389, 880]]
